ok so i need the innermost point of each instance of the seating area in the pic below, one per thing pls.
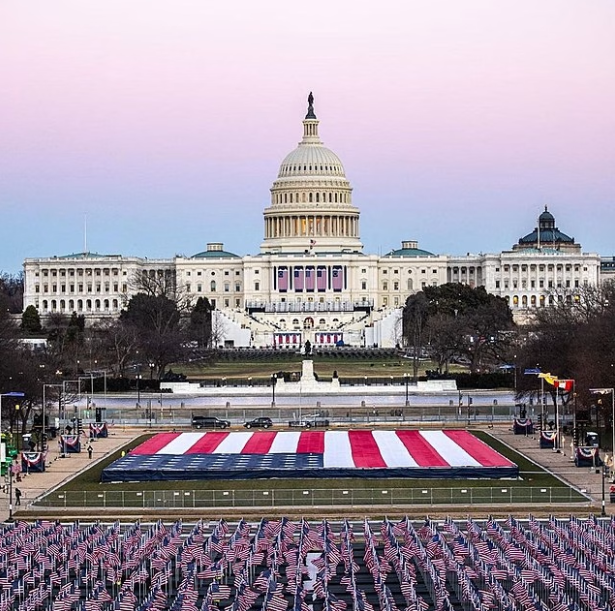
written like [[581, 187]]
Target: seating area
[[281, 564]]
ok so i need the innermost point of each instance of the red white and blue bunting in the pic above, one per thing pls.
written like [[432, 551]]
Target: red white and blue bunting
[[33, 461], [98, 430], [587, 457], [523, 426], [547, 439], [70, 444]]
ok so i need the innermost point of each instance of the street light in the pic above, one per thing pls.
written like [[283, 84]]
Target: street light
[[138, 377], [406, 376], [607, 391], [274, 381], [15, 395], [44, 415], [3, 452]]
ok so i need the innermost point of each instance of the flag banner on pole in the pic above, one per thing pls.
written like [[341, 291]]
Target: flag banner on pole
[[548, 378], [359, 453], [565, 385]]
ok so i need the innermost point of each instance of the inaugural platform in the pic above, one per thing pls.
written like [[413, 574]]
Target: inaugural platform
[[317, 454]]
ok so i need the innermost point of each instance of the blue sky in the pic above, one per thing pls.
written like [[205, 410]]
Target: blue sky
[[163, 123]]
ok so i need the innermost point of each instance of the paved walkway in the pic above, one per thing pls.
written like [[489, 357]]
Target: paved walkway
[[561, 464], [60, 469]]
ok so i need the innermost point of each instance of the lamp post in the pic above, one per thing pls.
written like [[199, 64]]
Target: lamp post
[[406, 376], [274, 381], [603, 509], [606, 391], [138, 378], [3, 452], [44, 410], [15, 395]]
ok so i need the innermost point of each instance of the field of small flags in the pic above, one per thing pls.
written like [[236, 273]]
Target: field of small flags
[[277, 565]]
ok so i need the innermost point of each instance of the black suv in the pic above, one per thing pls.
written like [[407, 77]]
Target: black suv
[[209, 422], [262, 422]]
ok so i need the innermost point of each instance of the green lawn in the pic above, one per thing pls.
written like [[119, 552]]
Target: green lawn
[[324, 368]]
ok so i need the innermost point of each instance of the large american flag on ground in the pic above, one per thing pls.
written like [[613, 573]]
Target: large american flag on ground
[[352, 453]]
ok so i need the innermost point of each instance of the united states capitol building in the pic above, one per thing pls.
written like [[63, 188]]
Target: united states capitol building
[[311, 279]]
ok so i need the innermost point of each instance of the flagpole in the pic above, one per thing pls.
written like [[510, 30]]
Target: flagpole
[[557, 444]]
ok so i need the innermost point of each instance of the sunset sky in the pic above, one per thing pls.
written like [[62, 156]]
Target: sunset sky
[[163, 122]]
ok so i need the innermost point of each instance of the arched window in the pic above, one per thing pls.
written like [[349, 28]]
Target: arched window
[[212, 286], [106, 304]]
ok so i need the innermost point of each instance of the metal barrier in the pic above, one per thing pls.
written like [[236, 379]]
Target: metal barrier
[[292, 497]]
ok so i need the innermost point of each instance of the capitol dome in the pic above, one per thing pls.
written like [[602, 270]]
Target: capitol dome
[[311, 200], [310, 159]]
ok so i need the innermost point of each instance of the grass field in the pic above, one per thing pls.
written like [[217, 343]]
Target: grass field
[[322, 367], [534, 487]]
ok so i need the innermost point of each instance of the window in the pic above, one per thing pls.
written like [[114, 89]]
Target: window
[[227, 287], [257, 286], [385, 286], [497, 284], [212, 286], [363, 285], [396, 286]]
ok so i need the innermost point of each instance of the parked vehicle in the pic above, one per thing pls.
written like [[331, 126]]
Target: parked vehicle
[[308, 424], [262, 422], [209, 422]]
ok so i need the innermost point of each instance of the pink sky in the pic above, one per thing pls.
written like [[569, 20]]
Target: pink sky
[[165, 121]]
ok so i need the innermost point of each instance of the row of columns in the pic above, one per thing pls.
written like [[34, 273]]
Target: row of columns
[[311, 226]]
